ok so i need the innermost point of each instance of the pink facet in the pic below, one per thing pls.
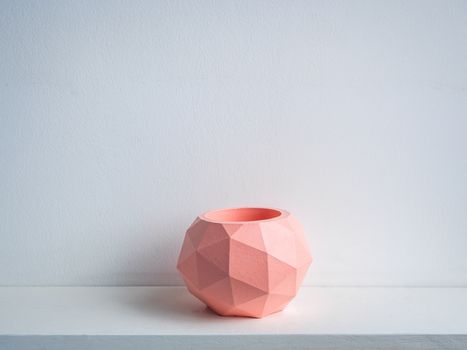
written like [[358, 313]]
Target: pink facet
[[244, 261]]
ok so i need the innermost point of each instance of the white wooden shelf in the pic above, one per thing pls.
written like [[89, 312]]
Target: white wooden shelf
[[169, 317]]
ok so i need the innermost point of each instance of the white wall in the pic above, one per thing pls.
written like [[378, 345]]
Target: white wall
[[120, 121]]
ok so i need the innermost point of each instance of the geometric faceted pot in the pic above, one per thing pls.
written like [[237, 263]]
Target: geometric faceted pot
[[244, 261]]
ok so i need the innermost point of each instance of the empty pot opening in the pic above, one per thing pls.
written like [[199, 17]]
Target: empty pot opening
[[243, 214]]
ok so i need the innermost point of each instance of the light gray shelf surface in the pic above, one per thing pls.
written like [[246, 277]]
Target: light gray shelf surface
[[169, 317]]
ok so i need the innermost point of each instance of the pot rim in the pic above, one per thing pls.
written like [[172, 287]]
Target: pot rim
[[265, 214]]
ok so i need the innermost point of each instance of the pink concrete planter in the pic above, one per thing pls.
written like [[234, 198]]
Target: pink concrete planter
[[244, 261]]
